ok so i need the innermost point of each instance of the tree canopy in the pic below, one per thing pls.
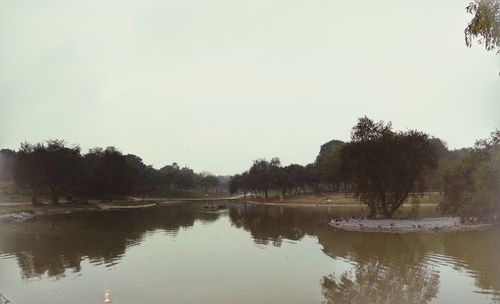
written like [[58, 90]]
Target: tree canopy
[[55, 168], [51, 165], [472, 185], [387, 166], [485, 24]]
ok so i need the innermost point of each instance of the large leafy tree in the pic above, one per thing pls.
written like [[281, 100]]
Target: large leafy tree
[[328, 164], [293, 179], [386, 166], [240, 182], [108, 173], [265, 175], [177, 177]]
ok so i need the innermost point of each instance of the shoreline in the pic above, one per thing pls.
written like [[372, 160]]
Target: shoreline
[[435, 225], [285, 204], [34, 211], [27, 211]]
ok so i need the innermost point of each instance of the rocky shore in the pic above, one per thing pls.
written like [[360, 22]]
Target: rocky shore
[[438, 224]]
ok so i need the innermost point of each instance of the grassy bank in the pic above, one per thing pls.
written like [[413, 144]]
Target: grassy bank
[[336, 198]]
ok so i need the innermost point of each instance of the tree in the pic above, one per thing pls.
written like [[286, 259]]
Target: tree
[[7, 160], [387, 166], [485, 24], [180, 178], [312, 178], [239, 182], [446, 160], [265, 175], [51, 165], [472, 187], [107, 173], [26, 170], [328, 164], [293, 179], [235, 184], [185, 179], [209, 181]]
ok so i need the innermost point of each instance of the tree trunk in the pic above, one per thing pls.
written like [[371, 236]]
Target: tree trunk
[[373, 212], [265, 191], [55, 196]]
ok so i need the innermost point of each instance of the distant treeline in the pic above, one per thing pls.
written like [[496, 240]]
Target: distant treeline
[[381, 167], [54, 168], [384, 168]]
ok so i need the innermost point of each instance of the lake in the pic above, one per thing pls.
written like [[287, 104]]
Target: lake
[[247, 254]]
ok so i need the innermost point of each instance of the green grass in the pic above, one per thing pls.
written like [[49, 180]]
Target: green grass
[[128, 203], [340, 199], [187, 194]]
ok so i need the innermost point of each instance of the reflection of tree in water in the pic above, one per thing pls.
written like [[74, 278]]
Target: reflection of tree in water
[[270, 225], [50, 245], [389, 268], [207, 217], [377, 283]]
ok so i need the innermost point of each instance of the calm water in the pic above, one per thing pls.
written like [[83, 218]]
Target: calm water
[[257, 254]]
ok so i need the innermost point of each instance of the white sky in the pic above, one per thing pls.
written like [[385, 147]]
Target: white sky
[[214, 84]]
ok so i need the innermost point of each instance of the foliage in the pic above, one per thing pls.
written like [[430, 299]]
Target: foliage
[[106, 173], [472, 187], [265, 175], [177, 177], [208, 181], [485, 24], [386, 166], [56, 168], [52, 165], [328, 165], [7, 159]]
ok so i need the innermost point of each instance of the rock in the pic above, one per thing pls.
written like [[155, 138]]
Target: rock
[[15, 218], [443, 224]]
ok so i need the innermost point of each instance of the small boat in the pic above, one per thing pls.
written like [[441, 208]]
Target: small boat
[[214, 207]]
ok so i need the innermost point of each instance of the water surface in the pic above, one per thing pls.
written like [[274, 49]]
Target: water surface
[[249, 254]]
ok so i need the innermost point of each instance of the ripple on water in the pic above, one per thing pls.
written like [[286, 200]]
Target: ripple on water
[[108, 262], [438, 259], [458, 264], [7, 256]]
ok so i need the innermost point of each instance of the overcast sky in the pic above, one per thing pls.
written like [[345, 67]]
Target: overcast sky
[[214, 84]]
